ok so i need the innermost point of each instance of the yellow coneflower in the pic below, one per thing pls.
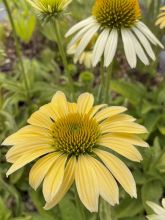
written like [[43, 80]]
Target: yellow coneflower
[[161, 18], [110, 18], [75, 142], [159, 211], [49, 9]]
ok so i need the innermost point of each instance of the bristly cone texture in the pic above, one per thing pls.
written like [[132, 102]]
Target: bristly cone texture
[[108, 14]]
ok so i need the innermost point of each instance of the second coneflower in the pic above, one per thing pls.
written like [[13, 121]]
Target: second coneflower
[[49, 9], [76, 142], [161, 18], [110, 18]]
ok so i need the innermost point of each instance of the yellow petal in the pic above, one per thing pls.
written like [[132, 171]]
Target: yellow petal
[[121, 117], [108, 187], [120, 171], [40, 119], [72, 108], [95, 109], [54, 178], [41, 168], [108, 112], [60, 102], [51, 110], [86, 183], [19, 150], [125, 149], [85, 103], [69, 176], [127, 138], [27, 158], [27, 132], [119, 127]]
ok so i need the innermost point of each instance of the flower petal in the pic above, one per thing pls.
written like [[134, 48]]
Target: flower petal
[[85, 103], [69, 176], [54, 178], [108, 112], [86, 183], [41, 168], [60, 102], [120, 171], [156, 208], [27, 158]]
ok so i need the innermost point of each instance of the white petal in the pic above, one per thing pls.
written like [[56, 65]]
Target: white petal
[[110, 48], [79, 35], [143, 28], [144, 41], [85, 40], [129, 47], [139, 50], [79, 25], [156, 208], [99, 47]]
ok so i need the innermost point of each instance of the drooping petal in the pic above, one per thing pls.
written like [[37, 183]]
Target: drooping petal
[[111, 47], [69, 176], [125, 149], [146, 31], [99, 46], [79, 25], [129, 47], [27, 158], [120, 171], [108, 187], [86, 183], [144, 41], [54, 178], [41, 168]]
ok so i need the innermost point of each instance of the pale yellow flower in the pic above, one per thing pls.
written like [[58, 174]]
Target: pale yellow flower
[[110, 19], [161, 18], [49, 9], [85, 58], [158, 210], [75, 142]]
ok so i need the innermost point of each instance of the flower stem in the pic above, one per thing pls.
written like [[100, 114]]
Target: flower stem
[[63, 55], [17, 47], [107, 83], [101, 86], [79, 207], [105, 211]]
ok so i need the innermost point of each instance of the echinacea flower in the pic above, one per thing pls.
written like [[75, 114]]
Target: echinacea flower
[[158, 210], [161, 18], [75, 142], [110, 19], [49, 9], [86, 56]]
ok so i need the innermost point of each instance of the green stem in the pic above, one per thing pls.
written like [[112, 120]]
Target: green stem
[[107, 84], [104, 211], [17, 47], [79, 206], [101, 86], [63, 55]]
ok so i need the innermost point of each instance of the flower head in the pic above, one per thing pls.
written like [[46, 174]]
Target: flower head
[[49, 9], [161, 18], [159, 211], [75, 142], [109, 19]]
